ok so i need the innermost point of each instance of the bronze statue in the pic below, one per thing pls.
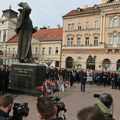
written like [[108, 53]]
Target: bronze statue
[[24, 29]]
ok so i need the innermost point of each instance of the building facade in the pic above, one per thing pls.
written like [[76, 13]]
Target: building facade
[[7, 30], [46, 47], [91, 37]]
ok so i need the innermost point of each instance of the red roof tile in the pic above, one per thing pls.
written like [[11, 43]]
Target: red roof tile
[[49, 34], [82, 11], [43, 35]]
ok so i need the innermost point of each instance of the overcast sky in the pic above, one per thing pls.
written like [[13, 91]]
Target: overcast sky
[[48, 12]]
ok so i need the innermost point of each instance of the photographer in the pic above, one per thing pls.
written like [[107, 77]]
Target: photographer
[[90, 113], [104, 104], [6, 103], [47, 109]]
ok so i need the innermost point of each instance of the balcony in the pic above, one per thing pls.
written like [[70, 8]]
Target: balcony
[[83, 46], [112, 46]]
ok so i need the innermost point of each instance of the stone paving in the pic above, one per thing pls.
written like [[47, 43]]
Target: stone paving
[[75, 100]]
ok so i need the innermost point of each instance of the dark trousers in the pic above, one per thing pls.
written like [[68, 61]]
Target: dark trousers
[[82, 87]]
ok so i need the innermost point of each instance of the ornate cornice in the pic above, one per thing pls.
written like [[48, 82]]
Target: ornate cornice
[[82, 15], [109, 4]]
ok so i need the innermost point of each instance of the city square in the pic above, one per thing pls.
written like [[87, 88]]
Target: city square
[[74, 100], [74, 60]]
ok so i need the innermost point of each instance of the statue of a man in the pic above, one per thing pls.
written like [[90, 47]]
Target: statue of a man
[[24, 29]]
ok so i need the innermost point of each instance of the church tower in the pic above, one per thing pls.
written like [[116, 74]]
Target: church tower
[[7, 24]]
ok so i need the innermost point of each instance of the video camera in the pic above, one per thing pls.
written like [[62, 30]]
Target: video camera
[[19, 111], [96, 95], [60, 106]]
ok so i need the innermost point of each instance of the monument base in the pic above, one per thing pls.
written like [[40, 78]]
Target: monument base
[[25, 77]]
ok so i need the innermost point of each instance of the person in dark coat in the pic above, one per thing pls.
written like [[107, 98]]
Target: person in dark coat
[[1, 79], [105, 78], [6, 79], [6, 103], [118, 80], [83, 80], [24, 29], [114, 80]]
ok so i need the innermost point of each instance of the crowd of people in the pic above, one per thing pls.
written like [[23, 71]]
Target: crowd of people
[[58, 78], [98, 77]]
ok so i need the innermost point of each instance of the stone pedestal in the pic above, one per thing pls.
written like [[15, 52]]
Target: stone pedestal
[[26, 76]]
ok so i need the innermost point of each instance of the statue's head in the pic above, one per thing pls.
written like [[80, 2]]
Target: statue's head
[[24, 5]]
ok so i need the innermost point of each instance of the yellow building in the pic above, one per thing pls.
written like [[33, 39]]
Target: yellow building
[[91, 37], [46, 47]]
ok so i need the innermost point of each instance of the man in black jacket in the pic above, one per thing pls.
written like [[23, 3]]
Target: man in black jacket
[[83, 80], [6, 103]]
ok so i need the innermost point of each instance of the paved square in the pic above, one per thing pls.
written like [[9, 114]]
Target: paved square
[[75, 100]]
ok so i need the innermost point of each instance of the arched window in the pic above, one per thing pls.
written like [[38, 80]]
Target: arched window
[[78, 40], [90, 63], [13, 51], [70, 26], [115, 22], [96, 24], [70, 40], [95, 40], [87, 25], [43, 50], [118, 65], [36, 50], [110, 23], [79, 26], [50, 51], [106, 64], [8, 50], [69, 62]]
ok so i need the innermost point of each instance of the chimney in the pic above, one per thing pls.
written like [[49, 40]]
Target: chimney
[[58, 26], [48, 27]]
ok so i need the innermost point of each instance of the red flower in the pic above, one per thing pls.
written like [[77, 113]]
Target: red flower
[[39, 88]]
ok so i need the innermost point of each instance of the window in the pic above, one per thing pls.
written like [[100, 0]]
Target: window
[[87, 25], [115, 22], [71, 27], [36, 50], [87, 41], [110, 40], [110, 23], [4, 35], [43, 50], [8, 50], [96, 24], [13, 51], [115, 38], [79, 26], [56, 50], [49, 51], [78, 40], [119, 39], [95, 40], [69, 40]]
